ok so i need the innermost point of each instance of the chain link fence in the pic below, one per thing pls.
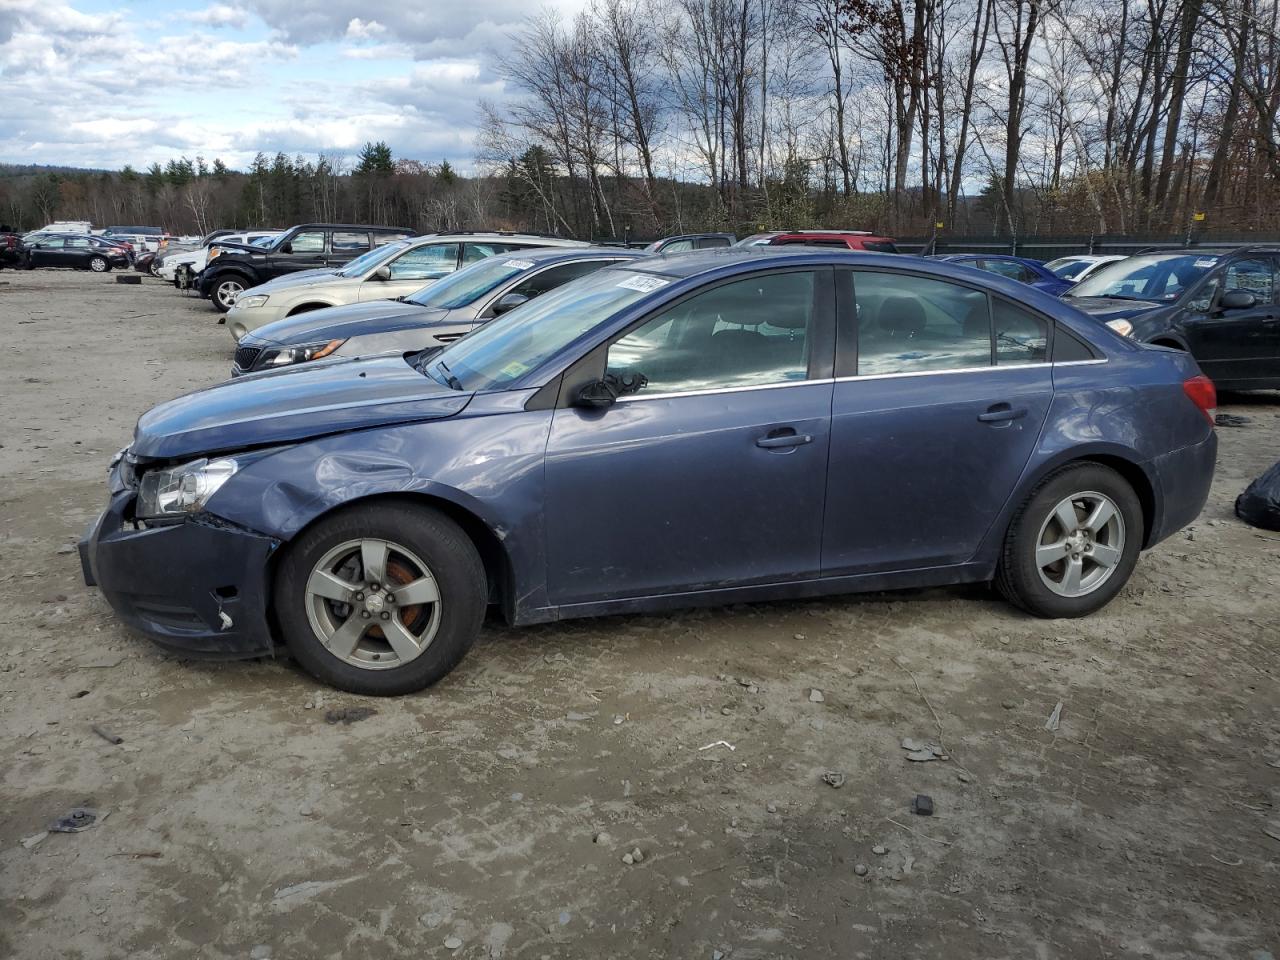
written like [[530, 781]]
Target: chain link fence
[[1047, 248]]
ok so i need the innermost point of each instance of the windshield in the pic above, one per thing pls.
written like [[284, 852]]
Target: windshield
[[517, 342], [371, 259], [1155, 277], [468, 284], [1066, 268]]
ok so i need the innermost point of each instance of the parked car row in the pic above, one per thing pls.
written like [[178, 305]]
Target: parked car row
[[451, 423]]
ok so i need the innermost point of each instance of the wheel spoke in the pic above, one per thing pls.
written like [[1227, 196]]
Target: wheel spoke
[[1105, 556], [346, 637], [1066, 514], [373, 554], [1048, 553], [1071, 578], [404, 643], [423, 590], [1100, 516], [331, 587]]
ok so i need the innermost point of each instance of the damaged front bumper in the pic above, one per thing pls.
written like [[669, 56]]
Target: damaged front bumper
[[197, 587]]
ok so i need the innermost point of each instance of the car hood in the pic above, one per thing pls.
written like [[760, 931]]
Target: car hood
[[295, 403], [1109, 308], [340, 323], [302, 278]]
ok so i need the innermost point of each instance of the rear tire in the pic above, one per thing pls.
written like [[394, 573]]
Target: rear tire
[[372, 641], [1073, 544]]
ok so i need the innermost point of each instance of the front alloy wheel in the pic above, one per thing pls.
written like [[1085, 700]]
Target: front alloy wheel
[[381, 598], [99, 264], [226, 292], [373, 603]]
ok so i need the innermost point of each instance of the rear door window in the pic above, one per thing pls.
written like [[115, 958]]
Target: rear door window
[[349, 242], [472, 252], [909, 324]]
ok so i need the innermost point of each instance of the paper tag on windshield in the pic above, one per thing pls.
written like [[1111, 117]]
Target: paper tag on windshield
[[519, 264], [643, 283], [1206, 261]]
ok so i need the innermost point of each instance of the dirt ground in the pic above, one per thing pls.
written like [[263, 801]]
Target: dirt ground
[[488, 817]]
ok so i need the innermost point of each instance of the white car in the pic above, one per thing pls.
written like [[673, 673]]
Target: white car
[[1076, 268], [384, 273], [195, 260]]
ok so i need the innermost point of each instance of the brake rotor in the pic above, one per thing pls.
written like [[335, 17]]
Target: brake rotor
[[400, 574]]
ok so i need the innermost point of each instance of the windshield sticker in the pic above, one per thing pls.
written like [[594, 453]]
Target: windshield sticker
[[514, 369], [519, 264], [1206, 261], [643, 283]]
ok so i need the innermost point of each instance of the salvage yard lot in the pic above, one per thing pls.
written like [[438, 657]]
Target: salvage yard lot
[[494, 809]]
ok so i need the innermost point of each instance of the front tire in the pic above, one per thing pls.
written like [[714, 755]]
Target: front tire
[[1073, 544], [381, 599], [99, 264], [225, 291], [154, 269]]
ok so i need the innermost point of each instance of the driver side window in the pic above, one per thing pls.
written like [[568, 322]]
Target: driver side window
[[1254, 276], [308, 242], [747, 333], [431, 262]]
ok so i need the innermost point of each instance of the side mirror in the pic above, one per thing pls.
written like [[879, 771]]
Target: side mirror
[[596, 394], [508, 301], [382, 273], [286, 247], [1237, 300]]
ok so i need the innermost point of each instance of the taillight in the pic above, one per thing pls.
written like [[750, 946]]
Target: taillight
[[1202, 393]]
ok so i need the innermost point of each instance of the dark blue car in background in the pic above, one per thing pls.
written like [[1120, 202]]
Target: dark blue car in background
[[705, 428], [1031, 272]]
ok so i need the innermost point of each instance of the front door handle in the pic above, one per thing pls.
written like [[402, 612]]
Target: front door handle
[[776, 439], [1002, 412]]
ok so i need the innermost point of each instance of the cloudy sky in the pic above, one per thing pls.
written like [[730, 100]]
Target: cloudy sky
[[101, 83]]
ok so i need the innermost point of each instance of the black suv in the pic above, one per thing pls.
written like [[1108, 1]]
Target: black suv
[[1220, 303], [233, 268]]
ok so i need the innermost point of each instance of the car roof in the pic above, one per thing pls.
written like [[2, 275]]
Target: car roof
[[350, 226], [834, 234], [472, 236], [541, 255]]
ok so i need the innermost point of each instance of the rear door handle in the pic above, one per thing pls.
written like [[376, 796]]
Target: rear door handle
[[1001, 412], [778, 438]]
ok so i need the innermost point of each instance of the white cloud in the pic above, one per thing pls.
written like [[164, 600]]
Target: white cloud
[[220, 15], [105, 89], [359, 29]]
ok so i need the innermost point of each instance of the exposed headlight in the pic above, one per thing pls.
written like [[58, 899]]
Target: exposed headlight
[[184, 489], [248, 303], [284, 356], [1122, 327]]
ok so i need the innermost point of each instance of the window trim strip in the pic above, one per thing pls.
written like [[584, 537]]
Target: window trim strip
[[632, 398]]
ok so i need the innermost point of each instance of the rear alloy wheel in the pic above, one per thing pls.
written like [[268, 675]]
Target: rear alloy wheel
[[226, 291], [1074, 543], [154, 269], [382, 599], [99, 264]]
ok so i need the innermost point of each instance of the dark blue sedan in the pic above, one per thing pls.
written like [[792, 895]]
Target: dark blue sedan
[[1031, 272], [707, 428]]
